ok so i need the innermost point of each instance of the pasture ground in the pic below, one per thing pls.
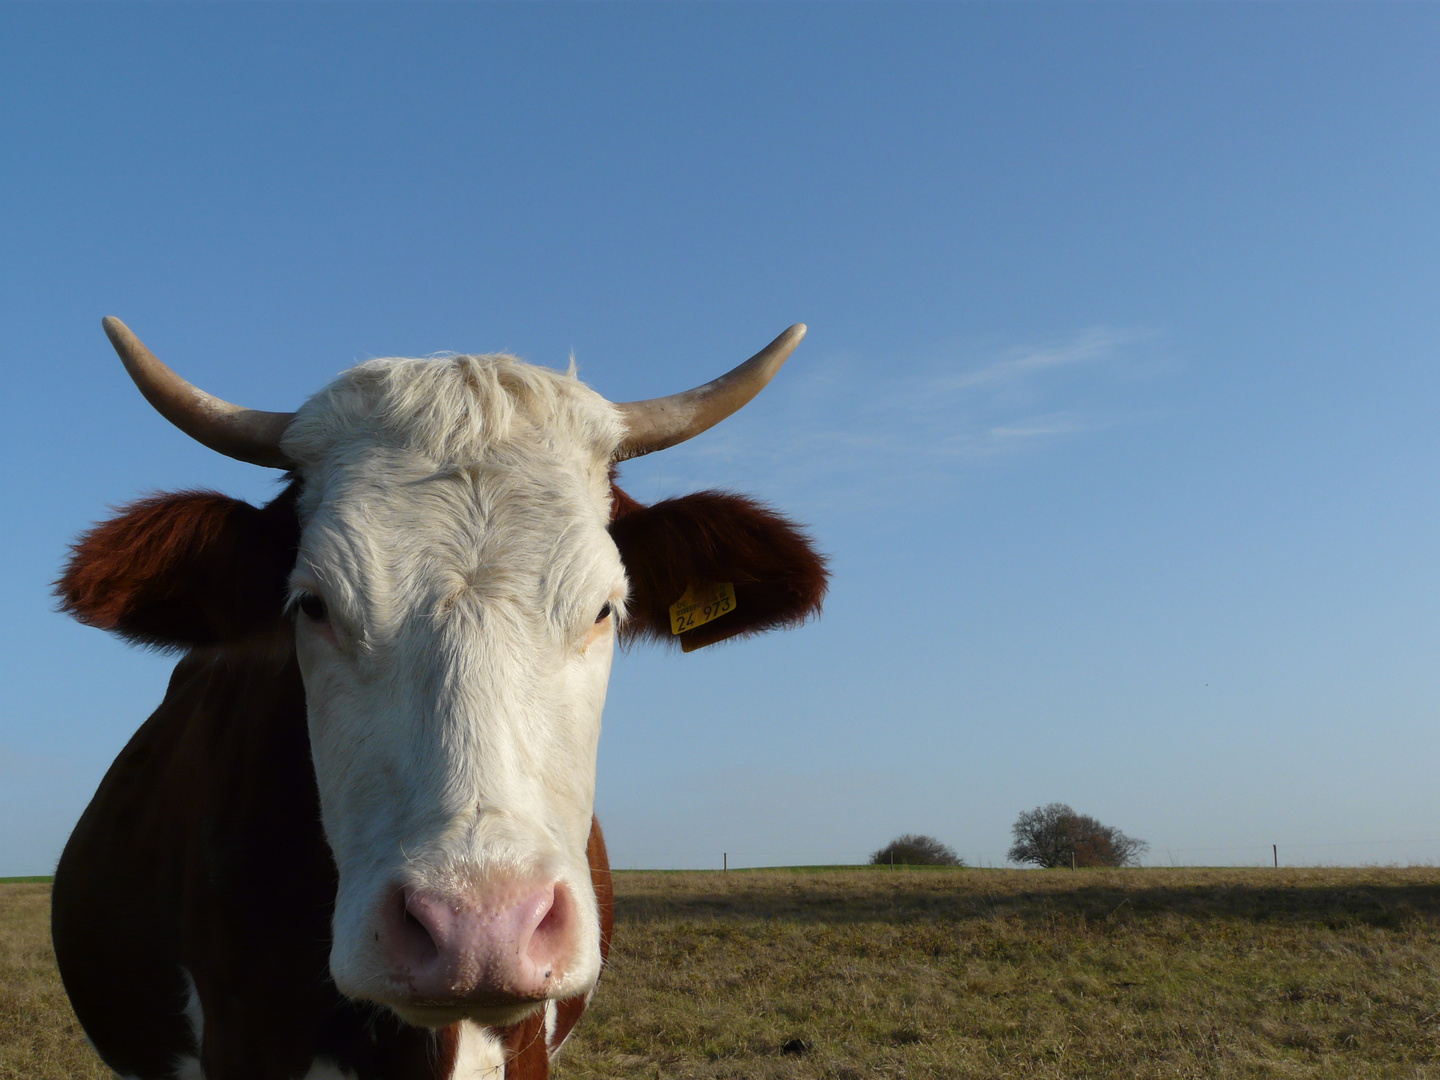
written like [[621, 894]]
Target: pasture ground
[[1331, 973]]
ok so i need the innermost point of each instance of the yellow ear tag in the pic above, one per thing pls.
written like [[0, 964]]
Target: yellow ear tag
[[701, 604]]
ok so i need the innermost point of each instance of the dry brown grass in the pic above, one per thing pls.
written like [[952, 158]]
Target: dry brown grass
[[40, 1038], [954, 973], [1027, 974]]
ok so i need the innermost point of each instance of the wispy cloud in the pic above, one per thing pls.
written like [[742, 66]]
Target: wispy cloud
[[1096, 344], [1053, 424], [847, 426]]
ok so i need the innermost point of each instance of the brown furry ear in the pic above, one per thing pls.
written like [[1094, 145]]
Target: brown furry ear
[[193, 568], [709, 538]]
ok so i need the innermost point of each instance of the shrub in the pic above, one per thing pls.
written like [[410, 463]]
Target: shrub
[[913, 850], [1055, 835]]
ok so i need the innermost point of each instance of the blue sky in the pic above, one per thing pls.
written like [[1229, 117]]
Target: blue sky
[[1117, 413]]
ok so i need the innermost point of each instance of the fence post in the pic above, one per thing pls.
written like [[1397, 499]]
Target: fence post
[[1275, 850], [725, 863]]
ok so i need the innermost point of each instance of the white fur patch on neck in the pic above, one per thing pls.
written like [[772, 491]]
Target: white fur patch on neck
[[481, 1055], [320, 1069], [187, 1067]]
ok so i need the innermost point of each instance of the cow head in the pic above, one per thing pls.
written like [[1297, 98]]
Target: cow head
[[456, 564]]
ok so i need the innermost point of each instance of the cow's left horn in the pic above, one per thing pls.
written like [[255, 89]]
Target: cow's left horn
[[660, 422], [247, 434]]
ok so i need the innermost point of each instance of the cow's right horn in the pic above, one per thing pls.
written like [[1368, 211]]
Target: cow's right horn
[[247, 434], [660, 422]]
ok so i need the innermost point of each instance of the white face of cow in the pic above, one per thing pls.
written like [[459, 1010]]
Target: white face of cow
[[456, 594]]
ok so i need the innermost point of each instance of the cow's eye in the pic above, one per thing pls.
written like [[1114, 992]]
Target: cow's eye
[[313, 607], [604, 613]]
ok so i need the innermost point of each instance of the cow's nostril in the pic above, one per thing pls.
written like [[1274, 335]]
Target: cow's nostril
[[413, 938], [552, 934]]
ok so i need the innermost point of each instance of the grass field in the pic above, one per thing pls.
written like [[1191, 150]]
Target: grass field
[[954, 973]]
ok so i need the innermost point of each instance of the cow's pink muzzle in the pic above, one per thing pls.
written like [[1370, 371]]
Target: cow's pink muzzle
[[505, 947]]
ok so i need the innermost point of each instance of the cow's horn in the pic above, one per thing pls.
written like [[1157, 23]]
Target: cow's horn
[[660, 422], [247, 434]]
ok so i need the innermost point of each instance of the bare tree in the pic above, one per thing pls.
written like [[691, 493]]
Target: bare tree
[[914, 850], [1056, 835]]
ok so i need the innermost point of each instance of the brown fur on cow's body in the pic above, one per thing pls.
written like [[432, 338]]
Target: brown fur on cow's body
[[203, 852]]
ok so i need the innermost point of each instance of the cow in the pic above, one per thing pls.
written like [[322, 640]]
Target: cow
[[357, 838]]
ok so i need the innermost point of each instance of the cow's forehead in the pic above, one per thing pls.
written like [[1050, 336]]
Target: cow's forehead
[[401, 534], [455, 412], [430, 480]]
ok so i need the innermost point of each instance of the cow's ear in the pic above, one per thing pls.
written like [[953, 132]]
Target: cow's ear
[[194, 568], [709, 539]]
